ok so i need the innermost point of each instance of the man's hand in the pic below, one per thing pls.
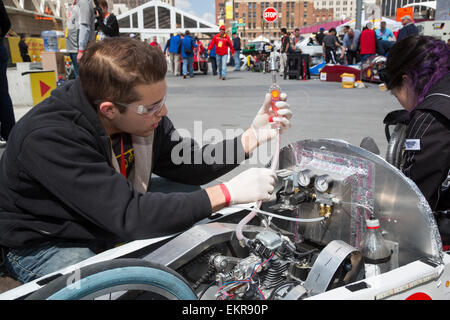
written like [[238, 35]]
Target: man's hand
[[266, 123], [251, 185]]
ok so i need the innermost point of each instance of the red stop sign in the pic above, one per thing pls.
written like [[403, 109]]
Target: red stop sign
[[270, 14]]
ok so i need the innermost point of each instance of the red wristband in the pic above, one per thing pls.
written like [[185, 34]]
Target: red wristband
[[80, 51], [226, 193]]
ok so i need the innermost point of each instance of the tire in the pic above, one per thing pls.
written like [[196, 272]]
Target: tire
[[131, 278], [395, 147]]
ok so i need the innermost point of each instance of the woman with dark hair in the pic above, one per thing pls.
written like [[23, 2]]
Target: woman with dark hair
[[418, 74]]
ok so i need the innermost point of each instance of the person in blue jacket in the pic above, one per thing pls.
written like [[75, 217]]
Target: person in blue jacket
[[385, 39], [212, 55], [187, 47], [174, 54], [409, 28]]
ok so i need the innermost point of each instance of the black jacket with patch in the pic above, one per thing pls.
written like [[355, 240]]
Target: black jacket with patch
[[57, 181], [430, 124]]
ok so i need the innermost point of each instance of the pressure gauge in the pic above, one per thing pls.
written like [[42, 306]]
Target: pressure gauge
[[304, 178], [322, 183]]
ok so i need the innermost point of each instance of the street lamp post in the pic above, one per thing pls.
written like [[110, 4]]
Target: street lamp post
[[245, 35], [262, 22], [359, 4]]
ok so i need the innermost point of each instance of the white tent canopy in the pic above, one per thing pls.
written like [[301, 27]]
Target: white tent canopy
[[260, 38], [391, 24], [156, 18], [429, 4]]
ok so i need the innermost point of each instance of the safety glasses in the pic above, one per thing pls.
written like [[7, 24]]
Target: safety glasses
[[145, 110]]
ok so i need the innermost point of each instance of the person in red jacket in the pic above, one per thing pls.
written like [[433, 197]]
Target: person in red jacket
[[155, 43], [368, 43], [222, 42]]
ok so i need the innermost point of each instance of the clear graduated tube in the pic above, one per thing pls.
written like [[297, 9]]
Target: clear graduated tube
[[239, 235], [274, 215], [275, 92]]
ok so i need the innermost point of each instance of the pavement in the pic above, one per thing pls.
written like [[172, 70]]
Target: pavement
[[204, 104], [320, 109]]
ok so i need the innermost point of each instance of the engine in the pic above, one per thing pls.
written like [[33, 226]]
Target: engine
[[272, 268]]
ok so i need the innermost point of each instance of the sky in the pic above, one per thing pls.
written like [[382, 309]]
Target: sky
[[200, 8]]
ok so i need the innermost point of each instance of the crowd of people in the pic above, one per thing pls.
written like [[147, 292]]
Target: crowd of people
[[352, 47], [183, 50], [358, 45], [182, 47]]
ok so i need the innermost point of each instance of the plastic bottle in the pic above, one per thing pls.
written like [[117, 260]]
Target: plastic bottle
[[50, 41], [374, 249]]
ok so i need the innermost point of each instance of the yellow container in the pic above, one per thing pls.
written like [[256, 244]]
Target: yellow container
[[348, 80]]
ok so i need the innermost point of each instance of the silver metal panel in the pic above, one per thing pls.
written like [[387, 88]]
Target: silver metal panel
[[191, 243], [404, 213]]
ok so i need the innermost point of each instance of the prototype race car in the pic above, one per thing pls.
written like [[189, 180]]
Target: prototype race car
[[304, 243]]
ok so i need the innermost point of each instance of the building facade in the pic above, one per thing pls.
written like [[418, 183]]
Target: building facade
[[343, 9], [291, 14], [389, 8], [31, 17]]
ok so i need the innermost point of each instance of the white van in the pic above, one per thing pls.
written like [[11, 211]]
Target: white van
[[439, 29]]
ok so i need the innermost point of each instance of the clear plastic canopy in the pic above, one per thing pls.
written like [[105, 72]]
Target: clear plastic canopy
[[364, 183]]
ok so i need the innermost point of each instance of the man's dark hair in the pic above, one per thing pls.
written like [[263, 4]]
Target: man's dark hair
[[347, 27], [283, 30], [103, 3], [111, 69], [296, 29], [187, 32], [332, 30]]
